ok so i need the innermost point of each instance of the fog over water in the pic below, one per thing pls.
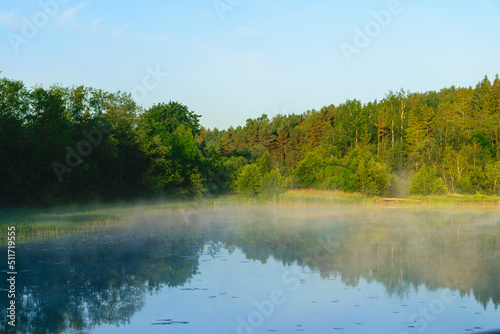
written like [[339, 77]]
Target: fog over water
[[260, 269]]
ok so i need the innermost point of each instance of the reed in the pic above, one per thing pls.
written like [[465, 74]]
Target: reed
[[39, 222], [312, 196]]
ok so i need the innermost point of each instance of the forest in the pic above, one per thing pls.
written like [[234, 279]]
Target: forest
[[77, 144]]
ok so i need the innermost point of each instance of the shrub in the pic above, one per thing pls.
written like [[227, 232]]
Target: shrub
[[427, 182]]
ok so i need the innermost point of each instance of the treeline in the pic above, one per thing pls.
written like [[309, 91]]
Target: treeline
[[64, 144], [61, 145], [436, 142]]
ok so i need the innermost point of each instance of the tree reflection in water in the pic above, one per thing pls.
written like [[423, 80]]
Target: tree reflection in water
[[77, 282]]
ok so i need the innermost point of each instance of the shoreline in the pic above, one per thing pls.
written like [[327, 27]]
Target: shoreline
[[80, 219]]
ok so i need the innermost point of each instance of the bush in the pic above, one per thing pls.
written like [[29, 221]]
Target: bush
[[372, 178], [232, 168], [427, 182], [336, 177], [273, 184], [249, 180], [306, 169], [492, 182]]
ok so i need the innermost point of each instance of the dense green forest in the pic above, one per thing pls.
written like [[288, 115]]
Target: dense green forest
[[71, 144]]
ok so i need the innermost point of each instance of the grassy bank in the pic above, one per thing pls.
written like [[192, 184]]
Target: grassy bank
[[447, 200], [312, 196], [36, 222], [39, 222]]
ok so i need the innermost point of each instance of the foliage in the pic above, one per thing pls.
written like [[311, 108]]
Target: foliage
[[249, 181], [426, 182], [165, 118], [307, 168], [273, 184], [66, 144], [492, 183], [173, 156], [232, 168], [372, 178]]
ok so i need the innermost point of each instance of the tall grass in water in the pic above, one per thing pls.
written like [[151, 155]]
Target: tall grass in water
[[312, 196], [33, 223], [37, 223], [293, 196], [457, 199]]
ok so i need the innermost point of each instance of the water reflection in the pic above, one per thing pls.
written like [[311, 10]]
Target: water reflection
[[78, 282]]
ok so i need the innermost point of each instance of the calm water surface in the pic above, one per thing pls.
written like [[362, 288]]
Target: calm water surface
[[264, 270]]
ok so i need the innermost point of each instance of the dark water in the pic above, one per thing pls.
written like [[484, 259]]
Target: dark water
[[265, 270]]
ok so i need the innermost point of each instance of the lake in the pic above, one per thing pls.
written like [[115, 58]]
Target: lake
[[265, 269]]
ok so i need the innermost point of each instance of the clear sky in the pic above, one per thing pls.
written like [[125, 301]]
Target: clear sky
[[229, 60]]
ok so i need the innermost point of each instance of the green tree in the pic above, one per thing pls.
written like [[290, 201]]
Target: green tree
[[172, 154], [372, 178], [492, 182], [232, 168], [335, 176], [265, 163], [187, 159], [307, 168], [273, 184], [162, 119], [249, 181], [427, 182], [15, 164], [419, 133]]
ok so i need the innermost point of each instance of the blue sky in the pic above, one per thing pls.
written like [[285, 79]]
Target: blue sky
[[229, 60]]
